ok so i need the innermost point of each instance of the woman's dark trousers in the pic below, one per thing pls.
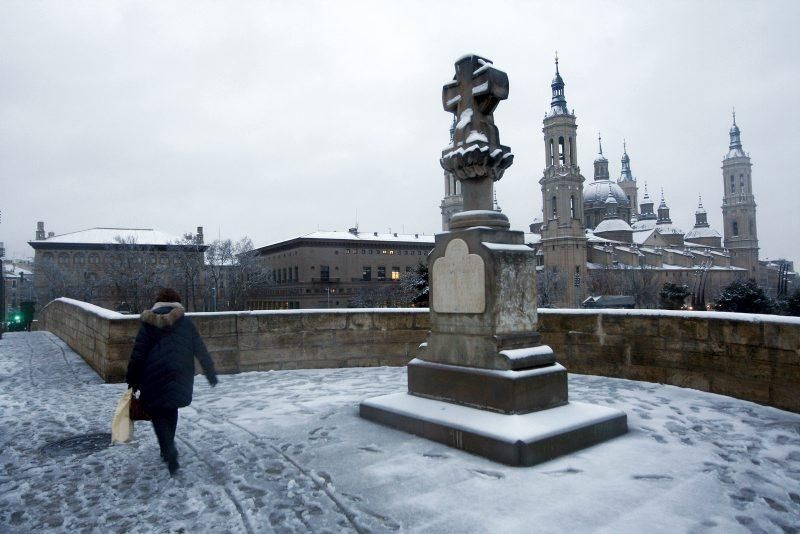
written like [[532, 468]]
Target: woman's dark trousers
[[164, 423]]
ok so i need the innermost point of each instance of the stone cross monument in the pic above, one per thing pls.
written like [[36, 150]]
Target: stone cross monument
[[483, 382]]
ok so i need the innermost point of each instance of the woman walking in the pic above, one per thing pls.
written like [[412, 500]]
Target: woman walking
[[162, 367]]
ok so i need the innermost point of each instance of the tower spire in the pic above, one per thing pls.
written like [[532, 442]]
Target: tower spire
[[600, 142], [735, 148], [558, 105]]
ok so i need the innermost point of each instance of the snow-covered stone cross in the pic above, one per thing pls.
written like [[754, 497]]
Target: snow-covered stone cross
[[475, 155]]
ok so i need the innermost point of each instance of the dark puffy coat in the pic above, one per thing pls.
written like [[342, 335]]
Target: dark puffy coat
[[162, 362]]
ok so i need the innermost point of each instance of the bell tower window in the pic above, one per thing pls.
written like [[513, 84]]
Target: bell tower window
[[561, 154], [552, 156], [735, 228], [733, 184], [554, 204], [572, 207], [571, 152]]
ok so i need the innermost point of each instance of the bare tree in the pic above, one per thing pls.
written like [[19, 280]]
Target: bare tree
[[133, 272], [247, 275], [550, 287], [188, 269]]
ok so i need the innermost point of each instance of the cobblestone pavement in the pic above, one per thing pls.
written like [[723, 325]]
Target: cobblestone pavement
[[286, 452]]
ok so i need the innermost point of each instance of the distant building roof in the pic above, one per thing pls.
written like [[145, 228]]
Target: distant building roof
[[13, 271], [355, 237], [95, 237]]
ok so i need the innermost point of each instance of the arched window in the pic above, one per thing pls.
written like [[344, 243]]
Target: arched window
[[741, 183], [572, 207], [554, 204], [552, 156], [735, 228], [571, 152], [561, 150], [63, 259], [733, 184]]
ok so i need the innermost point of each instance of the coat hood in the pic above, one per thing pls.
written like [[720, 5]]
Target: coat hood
[[159, 317]]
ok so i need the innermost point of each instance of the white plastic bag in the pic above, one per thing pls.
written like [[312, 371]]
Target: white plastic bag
[[121, 425]]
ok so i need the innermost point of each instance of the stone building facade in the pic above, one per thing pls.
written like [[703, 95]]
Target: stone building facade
[[338, 269], [118, 268]]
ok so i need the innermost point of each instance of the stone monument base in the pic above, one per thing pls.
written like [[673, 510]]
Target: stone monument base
[[518, 440]]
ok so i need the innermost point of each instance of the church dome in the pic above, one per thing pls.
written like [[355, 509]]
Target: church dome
[[597, 193]]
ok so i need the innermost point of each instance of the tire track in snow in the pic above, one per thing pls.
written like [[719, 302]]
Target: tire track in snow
[[318, 481], [228, 491], [66, 361]]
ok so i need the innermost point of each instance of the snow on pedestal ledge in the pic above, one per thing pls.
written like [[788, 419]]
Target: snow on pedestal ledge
[[520, 440]]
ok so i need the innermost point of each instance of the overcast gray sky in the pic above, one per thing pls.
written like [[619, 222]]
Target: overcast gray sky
[[274, 119]]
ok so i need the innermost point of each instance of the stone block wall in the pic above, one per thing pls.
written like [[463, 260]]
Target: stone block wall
[[751, 357], [250, 341]]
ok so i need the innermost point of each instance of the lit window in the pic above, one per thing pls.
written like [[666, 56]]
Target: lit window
[[381, 272], [395, 273]]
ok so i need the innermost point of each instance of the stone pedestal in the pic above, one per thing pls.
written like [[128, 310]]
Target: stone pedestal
[[482, 382]]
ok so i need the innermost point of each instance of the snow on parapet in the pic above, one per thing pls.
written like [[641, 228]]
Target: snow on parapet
[[684, 314], [97, 310]]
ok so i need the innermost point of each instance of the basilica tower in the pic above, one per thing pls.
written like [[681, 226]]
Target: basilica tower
[[739, 206], [563, 236], [453, 201], [627, 182]]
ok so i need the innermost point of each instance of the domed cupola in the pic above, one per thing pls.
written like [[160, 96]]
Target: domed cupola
[[672, 234], [600, 163], [702, 233], [613, 227]]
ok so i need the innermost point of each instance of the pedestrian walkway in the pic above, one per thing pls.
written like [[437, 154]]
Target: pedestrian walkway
[[286, 452]]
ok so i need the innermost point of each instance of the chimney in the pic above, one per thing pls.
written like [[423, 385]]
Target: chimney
[[395, 234], [199, 235], [416, 236], [50, 234], [40, 231], [375, 234]]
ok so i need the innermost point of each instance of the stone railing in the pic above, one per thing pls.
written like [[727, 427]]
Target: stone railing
[[250, 341], [752, 357]]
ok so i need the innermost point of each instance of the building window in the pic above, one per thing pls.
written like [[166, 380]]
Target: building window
[[561, 150], [63, 259], [296, 272], [735, 228], [78, 259], [733, 184], [94, 259], [163, 260], [366, 273], [554, 205], [324, 273], [741, 183], [572, 204], [381, 272], [552, 156], [395, 273]]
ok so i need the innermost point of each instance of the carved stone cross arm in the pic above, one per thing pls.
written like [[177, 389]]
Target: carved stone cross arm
[[473, 95]]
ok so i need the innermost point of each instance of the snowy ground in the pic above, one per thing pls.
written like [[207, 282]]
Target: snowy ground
[[286, 452]]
